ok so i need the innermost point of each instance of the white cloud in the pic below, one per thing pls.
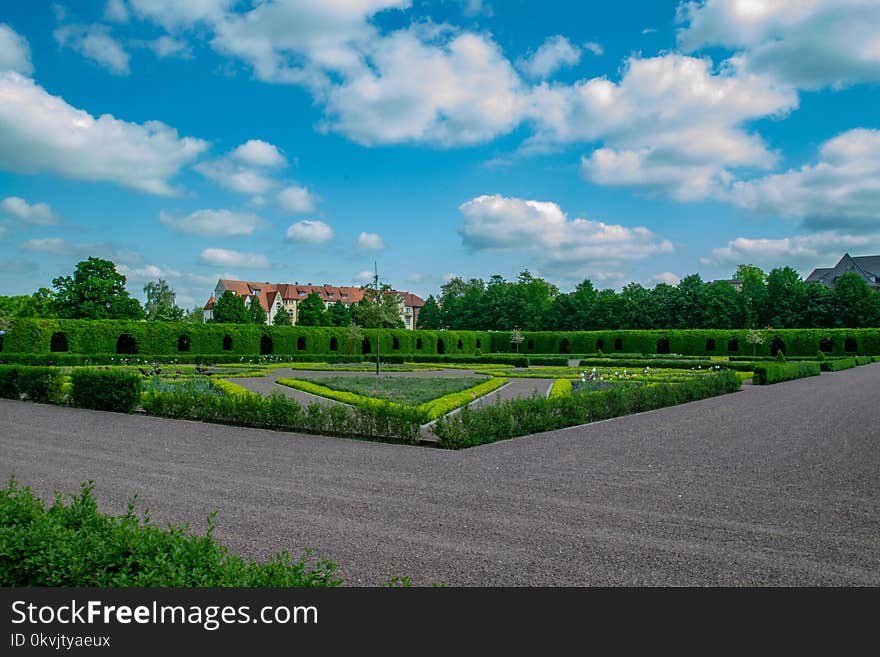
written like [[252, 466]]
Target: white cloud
[[15, 207], [309, 232], [666, 277], [841, 190], [147, 273], [259, 153], [60, 246], [15, 54], [370, 242], [558, 243], [595, 48], [94, 42], [363, 277], [556, 52], [116, 11], [460, 90], [174, 13], [804, 252], [226, 258], [214, 223], [54, 245], [649, 30], [166, 46], [41, 132], [808, 43], [673, 123], [295, 199]]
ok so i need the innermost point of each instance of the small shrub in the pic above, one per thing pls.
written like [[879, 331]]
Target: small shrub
[[838, 364], [38, 384], [561, 388], [105, 390], [9, 382], [770, 373]]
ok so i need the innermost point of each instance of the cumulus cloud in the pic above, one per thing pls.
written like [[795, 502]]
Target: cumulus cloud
[[842, 190], [666, 277], [54, 245], [227, 258], [370, 242], [363, 277], [674, 124], [166, 46], [295, 199], [560, 244], [39, 214], [810, 44], [147, 273], [595, 48], [214, 223], [15, 54], [804, 252], [60, 246], [246, 169], [174, 13], [556, 52], [40, 132], [259, 153], [309, 232], [94, 42], [116, 11]]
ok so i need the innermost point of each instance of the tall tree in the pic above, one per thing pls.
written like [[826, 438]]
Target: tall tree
[[160, 304], [753, 297], [785, 298], [855, 304], [231, 309], [311, 312], [429, 314], [387, 309], [340, 314], [258, 315], [95, 291], [281, 318]]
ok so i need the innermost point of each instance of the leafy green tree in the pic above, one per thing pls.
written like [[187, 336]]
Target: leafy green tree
[[462, 304], [516, 338], [606, 311], [786, 293], [637, 307], [195, 316], [817, 310], [312, 312], [340, 314], [754, 338], [855, 304], [388, 309], [753, 296], [720, 307], [690, 299], [231, 309], [95, 291], [160, 305], [258, 315], [353, 338], [281, 318], [429, 314]]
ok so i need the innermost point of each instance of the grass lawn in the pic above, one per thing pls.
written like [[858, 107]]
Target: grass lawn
[[403, 390]]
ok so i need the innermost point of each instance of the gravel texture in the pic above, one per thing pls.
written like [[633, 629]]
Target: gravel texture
[[771, 485]]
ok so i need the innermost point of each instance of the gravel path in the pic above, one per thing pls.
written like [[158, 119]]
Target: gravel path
[[771, 485]]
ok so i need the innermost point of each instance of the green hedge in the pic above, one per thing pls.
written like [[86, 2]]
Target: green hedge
[[517, 417], [105, 390], [864, 360], [838, 364], [769, 373], [37, 384], [27, 335], [71, 544], [659, 363]]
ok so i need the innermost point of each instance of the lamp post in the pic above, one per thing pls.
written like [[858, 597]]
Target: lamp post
[[378, 312]]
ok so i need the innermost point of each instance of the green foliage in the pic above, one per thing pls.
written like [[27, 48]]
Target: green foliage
[[255, 310], [105, 389], [95, 291], [838, 364], [160, 305], [311, 312], [195, 316], [71, 544], [404, 390], [561, 388], [230, 309], [519, 417], [366, 311], [281, 318], [769, 373], [429, 315], [339, 314], [37, 384]]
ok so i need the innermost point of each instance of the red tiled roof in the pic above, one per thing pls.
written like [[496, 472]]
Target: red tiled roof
[[296, 292], [210, 304]]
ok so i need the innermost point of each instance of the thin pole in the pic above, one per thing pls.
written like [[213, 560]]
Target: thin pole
[[378, 309]]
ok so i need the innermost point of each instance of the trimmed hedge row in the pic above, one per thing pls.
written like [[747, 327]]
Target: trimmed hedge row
[[770, 373], [103, 336], [113, 390], [37, 384], [838, 364], [561, 388], [73, 545], [739, 366], [517, 417]]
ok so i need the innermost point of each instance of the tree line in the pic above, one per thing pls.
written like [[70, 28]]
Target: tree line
[[778, 299]]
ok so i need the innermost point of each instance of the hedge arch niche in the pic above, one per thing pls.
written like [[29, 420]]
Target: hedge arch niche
[[618, 344], [600, 345], [365, 346], [419, 344], [227, 343], [663, 346], [126, 344], [266, 346], [479, 343], [850, 346], [777, 347], [301, 343], [334, 344], [733, 345], [441, 348], [826, 346], [184, 343], [58, 342], [564, 346], [395, 343], [710, 344], [460, 344]]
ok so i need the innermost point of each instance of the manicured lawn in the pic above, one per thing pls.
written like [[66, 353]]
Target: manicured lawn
[[403, 390]]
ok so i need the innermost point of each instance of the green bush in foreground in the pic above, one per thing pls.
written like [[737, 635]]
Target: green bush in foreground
[[38, 384], [519, 417], [770, 373], [838, 364], [106, 390], [72, 544]]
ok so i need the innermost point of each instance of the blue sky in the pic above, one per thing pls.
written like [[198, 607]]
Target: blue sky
[[300, 140]]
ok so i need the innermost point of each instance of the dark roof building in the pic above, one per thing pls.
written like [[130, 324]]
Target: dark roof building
[[868, 267]]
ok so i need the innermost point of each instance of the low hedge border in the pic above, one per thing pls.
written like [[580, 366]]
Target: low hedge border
[[105, 389], [838, 364], [770, 373], [682, 364], [517, 417], [37, 384], [864, 360], [428, 411], [561, 388]]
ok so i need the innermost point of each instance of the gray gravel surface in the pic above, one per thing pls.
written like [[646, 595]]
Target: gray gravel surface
[[771, 485]]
